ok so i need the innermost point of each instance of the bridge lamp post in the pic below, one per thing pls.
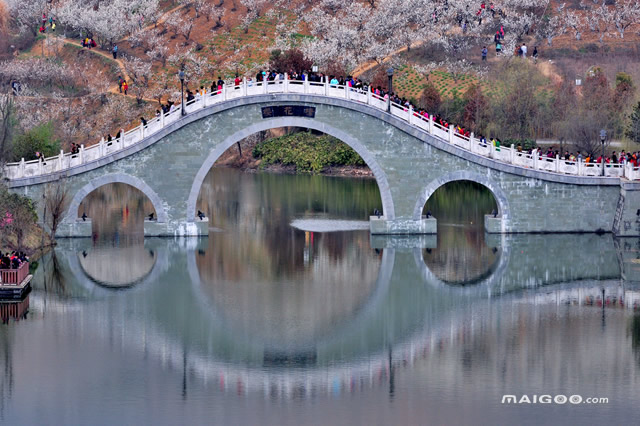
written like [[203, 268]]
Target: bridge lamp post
[[390, 75], [181, 77], [603, 137]]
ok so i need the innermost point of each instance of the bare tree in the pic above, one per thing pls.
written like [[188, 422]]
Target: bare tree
[[6, 127], [56, 196]]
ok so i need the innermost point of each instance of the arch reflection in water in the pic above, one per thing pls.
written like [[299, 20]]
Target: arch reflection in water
[[315, 284], [117, 267], [461, 257]]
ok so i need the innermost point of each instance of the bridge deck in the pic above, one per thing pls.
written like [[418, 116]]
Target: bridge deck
[[17, 173]]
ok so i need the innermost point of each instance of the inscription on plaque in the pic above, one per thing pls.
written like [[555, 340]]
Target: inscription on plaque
[[288, 111]]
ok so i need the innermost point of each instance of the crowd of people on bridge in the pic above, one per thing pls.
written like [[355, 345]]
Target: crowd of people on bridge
[[360, 86], [13, 260]]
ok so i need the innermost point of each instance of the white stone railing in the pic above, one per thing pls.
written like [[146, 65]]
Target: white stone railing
[[508, 155]]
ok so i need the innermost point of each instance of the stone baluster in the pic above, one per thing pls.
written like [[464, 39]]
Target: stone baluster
[[61, 160], [325, 80], [82, 154], [369, 97], [101, 145], [244, 86], [535, 158], [141, 131], [512, 154], [410, 118], [121, 139], [557, 164], [450, 129], [286, 83], [306, 83], [162, 118], [431, 127], [22, 167], [40, 166], [224, 92]]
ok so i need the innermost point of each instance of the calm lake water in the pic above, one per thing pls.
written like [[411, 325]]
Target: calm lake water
[[266, 323]]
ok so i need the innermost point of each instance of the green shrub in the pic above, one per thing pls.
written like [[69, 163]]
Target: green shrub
[[307, 152], [39, 139]]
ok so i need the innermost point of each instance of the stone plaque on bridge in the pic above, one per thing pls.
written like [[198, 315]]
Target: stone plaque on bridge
[[288, 111]]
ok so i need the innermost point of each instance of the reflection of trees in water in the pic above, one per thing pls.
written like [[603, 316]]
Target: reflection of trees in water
[[6, 363], [318, 290], [461, 256], [52, 274], [117, 211], [260, 208], [635, 336]]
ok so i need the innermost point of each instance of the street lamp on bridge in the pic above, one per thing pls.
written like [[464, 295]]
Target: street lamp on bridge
[[181, 77], [603, 137]]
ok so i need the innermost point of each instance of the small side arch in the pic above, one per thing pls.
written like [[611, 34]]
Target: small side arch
[[498, 193], [379, 174], [72, 212]]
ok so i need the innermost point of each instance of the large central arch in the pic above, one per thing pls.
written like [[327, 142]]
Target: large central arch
[[379, 174]]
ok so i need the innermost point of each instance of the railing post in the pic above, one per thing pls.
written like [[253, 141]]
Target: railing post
[[141, 131], [224, 92], [410, 113], [265, 88], [22, 167], [492, 151], [121, 138], [82, 154], [512, 154], [306, 83], [557, 164], [326, 85], [61, 160], [535, 158], [450, 130], [286, 83], [40, 166], [430, 124], [368, 95], [101, 144], [244, 86]]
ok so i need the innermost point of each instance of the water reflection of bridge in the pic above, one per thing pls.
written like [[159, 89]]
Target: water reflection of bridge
[[408, 317]]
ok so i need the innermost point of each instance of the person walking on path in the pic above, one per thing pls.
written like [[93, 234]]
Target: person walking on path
[[484, 53], [535, 54], [120, 81], [115, 51], [524, 50], [125, 87]]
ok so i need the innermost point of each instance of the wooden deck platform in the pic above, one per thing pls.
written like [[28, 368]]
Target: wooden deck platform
[[16, 291]]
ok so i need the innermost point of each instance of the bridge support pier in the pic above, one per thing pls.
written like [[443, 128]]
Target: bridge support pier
[[493, 225], [402, 226]]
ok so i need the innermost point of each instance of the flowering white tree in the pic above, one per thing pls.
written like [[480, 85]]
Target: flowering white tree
[[194, 65], [107, 20], [139, 72], [27, 14], [625, 13]]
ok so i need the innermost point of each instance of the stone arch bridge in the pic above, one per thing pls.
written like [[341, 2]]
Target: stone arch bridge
[[409, 155]]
